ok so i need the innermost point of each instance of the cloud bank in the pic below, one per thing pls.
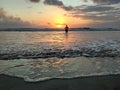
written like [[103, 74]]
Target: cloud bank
[[11, 21], [101, 15]]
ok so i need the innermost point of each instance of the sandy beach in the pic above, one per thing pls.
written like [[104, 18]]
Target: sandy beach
[[109, 82]]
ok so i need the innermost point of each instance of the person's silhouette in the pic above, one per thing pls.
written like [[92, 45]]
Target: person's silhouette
[[66, 28]]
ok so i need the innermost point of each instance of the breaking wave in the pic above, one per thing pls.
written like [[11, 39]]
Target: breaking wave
[[98, 48]]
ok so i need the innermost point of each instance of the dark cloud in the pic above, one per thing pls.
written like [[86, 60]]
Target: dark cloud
[[101, 15], [11, 21], [106, 2], [35, 1], [96, 8], [53, 2], [58, 3], [68, 8]]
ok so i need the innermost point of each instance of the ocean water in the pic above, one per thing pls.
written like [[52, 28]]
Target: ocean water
[[41, 55]]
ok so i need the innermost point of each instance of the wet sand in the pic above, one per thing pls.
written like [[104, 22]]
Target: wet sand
[[108, 82]]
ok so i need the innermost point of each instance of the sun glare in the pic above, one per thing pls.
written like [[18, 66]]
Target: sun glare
[[59, 22], [59, 26]]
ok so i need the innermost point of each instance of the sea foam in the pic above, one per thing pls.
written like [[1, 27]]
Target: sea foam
[[34, 70], [96, 48]]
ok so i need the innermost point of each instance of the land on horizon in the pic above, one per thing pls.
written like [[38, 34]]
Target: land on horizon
[[59, 29]]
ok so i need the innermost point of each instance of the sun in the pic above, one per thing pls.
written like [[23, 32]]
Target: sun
[[59, 22], [59, 26]]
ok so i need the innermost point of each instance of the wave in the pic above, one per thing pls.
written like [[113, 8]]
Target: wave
[[98, 48], [34, 70]]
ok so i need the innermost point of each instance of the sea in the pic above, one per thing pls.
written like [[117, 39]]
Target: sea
[[42, 55]]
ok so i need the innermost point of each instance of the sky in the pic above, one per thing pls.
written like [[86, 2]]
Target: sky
[[58, 13]]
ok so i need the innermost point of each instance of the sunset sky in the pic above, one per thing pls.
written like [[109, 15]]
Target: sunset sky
[[57, 13]]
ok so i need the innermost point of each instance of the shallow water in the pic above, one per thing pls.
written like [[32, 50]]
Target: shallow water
[[37, 56], [56, 37], [15, 45]]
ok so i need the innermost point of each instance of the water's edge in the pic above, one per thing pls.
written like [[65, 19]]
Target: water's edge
[[34, 70]]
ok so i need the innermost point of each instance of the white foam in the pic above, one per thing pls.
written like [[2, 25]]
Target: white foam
[[98, 47], [34, 70]]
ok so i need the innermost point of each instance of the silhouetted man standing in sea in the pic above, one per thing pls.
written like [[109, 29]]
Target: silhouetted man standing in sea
[[66, 29]]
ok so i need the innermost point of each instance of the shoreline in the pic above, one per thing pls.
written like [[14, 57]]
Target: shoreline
[[104, 82]]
